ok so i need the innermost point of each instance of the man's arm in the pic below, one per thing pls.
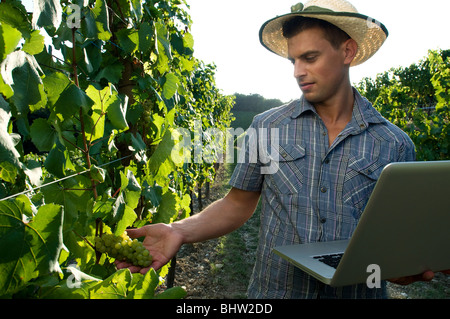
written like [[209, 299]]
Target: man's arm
[[220, 218]]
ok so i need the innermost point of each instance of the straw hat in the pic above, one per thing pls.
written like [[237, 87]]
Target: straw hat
[[367, 32]]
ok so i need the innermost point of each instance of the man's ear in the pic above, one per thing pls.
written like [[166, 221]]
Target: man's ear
[[350, 48]]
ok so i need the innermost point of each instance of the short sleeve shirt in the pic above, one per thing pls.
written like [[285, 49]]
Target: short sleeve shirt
[[310, 191]]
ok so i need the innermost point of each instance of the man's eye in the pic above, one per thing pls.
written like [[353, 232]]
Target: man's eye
[[311, 58]]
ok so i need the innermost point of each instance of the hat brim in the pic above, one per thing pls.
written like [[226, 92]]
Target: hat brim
[[368, 33]]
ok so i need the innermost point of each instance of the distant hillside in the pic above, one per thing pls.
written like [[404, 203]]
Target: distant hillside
[[247, 106], [254, 103]]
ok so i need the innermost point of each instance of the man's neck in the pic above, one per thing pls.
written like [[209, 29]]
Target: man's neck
[[337, 109], [337, 112]]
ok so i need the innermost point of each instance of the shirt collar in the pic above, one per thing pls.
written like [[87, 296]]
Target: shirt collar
[[301, 107], [363, 112]]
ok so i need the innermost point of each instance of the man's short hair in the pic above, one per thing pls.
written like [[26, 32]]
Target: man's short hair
[[299, 24]]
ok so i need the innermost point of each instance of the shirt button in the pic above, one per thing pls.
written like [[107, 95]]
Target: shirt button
[[323, 220], [327, 161], [323, 189]]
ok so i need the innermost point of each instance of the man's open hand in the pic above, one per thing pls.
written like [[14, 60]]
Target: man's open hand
[[160, 240]]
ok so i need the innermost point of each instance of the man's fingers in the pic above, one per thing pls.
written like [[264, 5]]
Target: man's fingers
[[157, 265], [427, 276], [122, 264], [133, 269], [404, 281], [136, 233], [144, 270]]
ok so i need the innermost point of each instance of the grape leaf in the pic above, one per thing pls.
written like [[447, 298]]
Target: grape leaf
[[70, 101], [9, 39], [168, 209], [117, 110], [162, 48], [145, 285], [8, 152], [113, 287], [170, 86], [102, 20], [76, 286], [34, 44], [21, 72], [136, 9], [28, 250], [15, 14], [43, 135], [71, 194], [172, 293], [122, 214], [111, 72], [57, 160], [8, 172], [5, 89], [188, 41], [161, 163], [55, 83], [47, 13], [145, 37], [162, 39], [108, 101], [128, 40], [33, 170]]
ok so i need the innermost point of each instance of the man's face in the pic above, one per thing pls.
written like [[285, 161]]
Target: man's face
[[320, 69]]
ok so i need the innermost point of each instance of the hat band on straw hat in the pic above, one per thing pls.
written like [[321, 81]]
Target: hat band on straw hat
[[368, 33]]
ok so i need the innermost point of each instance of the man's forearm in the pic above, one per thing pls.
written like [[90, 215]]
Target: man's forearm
[[218, 219]]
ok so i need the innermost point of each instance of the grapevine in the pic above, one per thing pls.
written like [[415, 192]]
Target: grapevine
[[87, 128], [415, 99], [124, 248]]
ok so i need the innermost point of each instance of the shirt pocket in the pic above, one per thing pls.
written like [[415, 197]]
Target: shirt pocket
[[360, 178], [288, 177]]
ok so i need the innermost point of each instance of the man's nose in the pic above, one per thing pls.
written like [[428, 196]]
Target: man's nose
[[299, 69]]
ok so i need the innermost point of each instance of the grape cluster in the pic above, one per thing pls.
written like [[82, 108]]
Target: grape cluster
[[124, 248]]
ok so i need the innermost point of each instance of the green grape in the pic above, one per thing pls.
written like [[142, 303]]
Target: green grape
[[124, 248]]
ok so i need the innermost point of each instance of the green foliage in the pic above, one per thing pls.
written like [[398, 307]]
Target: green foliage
[[30, 248], [246, 107], [416, 99], [87, 128], [254, 103]]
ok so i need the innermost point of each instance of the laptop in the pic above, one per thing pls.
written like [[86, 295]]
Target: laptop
[[404, 230]]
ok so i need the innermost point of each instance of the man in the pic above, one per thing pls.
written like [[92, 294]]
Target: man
[[331, 146]]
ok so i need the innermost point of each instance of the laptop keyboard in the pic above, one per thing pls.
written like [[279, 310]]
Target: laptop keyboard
[[331, 260]]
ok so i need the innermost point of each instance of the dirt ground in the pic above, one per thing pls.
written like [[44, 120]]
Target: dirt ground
[[195, 264], [199, 266]]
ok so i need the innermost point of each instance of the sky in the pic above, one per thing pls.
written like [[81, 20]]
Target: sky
[[226, 33]]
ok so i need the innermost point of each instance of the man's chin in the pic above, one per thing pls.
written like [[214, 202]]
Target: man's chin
[[310, 97]]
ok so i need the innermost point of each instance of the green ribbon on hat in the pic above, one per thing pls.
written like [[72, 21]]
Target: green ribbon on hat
[[299, 7]]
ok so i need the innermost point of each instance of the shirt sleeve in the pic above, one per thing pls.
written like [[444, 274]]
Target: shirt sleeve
[[407, 152], [247, 173]]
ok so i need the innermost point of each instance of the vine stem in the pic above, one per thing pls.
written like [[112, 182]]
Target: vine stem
[[84, 238], [83, 132]]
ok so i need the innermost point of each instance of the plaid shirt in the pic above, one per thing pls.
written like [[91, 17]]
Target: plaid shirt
[[317, 193]]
